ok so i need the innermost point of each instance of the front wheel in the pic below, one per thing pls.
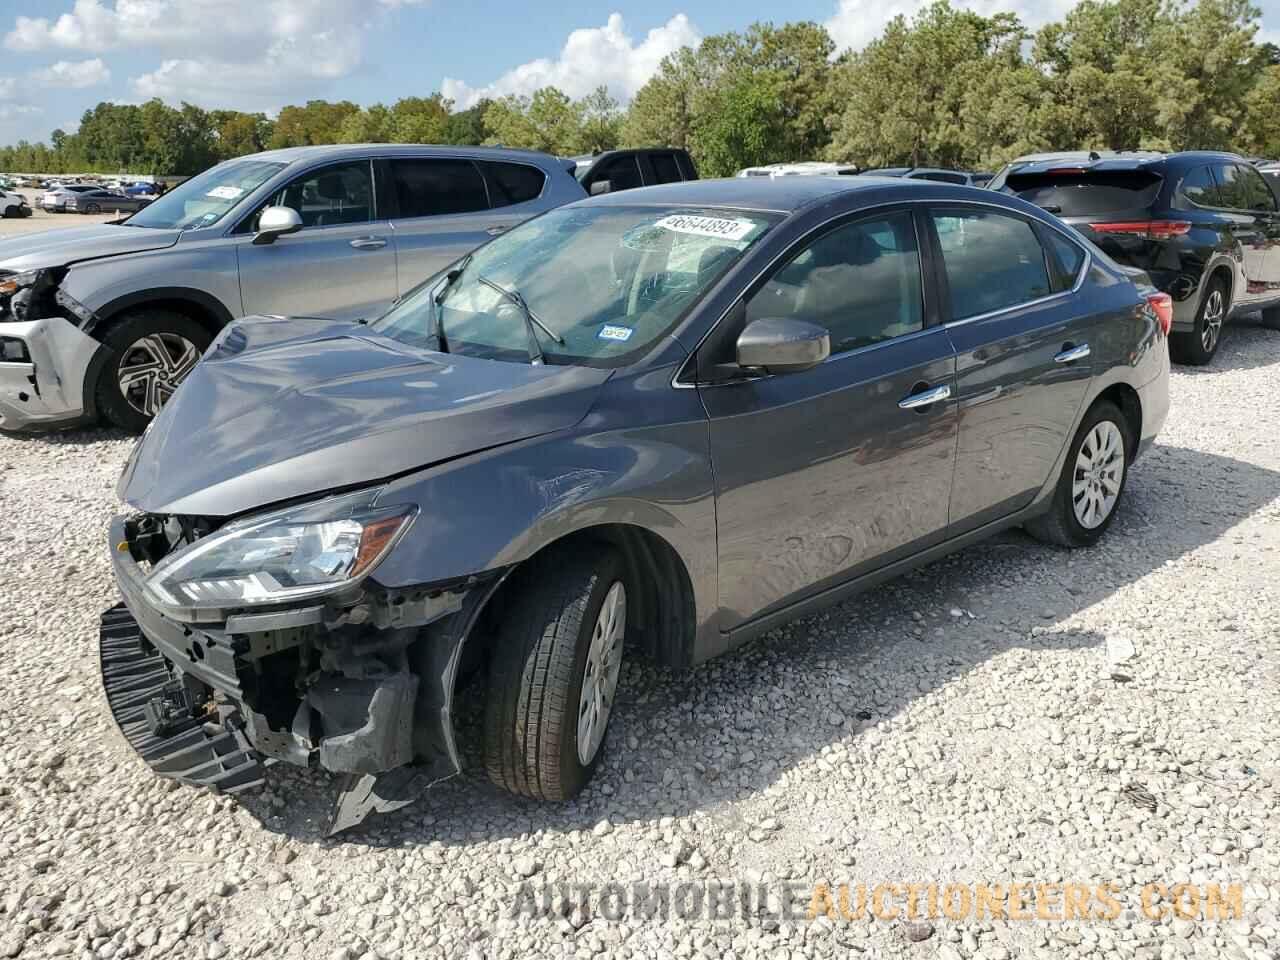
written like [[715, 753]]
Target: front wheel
[[152, 352], [1198, 346], [1092, 481], [554, 673], [92, 208]]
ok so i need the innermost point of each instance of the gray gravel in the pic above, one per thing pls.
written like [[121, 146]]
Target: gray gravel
[[1010, 713]]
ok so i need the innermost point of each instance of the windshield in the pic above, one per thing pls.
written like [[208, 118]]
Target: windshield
[[203, 200], [605, 281]]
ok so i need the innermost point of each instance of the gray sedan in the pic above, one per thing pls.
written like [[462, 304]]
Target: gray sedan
[[654, 423], [103, 201]]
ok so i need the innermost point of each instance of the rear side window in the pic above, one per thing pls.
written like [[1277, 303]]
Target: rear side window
[[1199, 187], [686, 166], [939, 177], [665, 169], [430, 187], [623, 173], [1085, 193], [514, 182], [1257, 195], [993, 261]]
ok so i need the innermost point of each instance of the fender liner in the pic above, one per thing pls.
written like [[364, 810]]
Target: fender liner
[[211, 304]]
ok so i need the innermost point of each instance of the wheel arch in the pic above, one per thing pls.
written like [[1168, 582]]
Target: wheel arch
[[663, 608], [1123, 396], [202, 307]]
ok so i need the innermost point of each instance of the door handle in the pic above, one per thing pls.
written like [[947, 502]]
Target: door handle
[[496, 230], [1071, 354], [369, 243], [926, 398]]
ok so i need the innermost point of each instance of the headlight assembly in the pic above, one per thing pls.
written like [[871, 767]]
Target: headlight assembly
[[12, 283], [303, 551]]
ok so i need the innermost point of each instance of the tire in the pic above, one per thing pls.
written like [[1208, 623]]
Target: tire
[[139, 343], [92, 208], [1198, 346], [537, 673], [1064, 523]]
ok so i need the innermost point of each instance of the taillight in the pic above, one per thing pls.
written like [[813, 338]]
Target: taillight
[[1151, 229], [1161, 305]]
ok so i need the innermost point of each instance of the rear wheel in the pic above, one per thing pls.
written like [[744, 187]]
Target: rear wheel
[[554, 673], [1198, 346], [1092, 481], [92, 208], [152, 352]]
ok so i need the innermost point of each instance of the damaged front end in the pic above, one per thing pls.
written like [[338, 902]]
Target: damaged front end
[[223, 657], [45, 350]]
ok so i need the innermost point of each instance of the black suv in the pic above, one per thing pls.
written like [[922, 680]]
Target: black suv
[[1205, 226], [615, 170]]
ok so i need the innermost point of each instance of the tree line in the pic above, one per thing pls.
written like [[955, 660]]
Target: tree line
[[947, 87]]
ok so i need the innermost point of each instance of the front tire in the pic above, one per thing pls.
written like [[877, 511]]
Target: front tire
[[554, 673], [151, 353], [1092, 482], [1199, 345]]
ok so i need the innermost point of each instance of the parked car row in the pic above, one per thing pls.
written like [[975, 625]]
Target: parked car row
[[547, 454]]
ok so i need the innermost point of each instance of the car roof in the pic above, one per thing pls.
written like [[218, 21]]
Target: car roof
[[342, 151], [783, 194], [1116, 160]]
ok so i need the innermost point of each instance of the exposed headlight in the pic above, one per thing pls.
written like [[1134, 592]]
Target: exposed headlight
[[299, 552], [16, 281]]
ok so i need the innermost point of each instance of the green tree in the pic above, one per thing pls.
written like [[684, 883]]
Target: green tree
[[468, 126], [600, 121], [370, 125], [420, 119], [1261, 132], [547, 121], [317, 122], [746, 120]]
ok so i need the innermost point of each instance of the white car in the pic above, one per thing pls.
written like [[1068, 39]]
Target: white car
[[13, 205], [56, 198], [806, 168]]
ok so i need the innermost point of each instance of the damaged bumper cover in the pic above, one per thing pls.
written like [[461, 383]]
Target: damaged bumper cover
[[43, 364], [360, 687]]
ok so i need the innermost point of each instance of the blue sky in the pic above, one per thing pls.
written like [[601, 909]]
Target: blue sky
[[58, 57]]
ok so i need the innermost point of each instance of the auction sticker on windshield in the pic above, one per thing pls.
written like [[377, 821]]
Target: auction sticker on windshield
[[225, 193], [612, 331], [720, 227]]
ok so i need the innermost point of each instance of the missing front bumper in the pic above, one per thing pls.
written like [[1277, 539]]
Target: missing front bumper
[[198, 752]]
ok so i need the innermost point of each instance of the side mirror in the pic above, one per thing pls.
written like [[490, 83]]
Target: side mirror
[[781, 345], [601, 186], [276, 222]]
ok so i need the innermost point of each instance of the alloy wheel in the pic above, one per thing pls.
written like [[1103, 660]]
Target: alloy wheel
[[1099, 474], [152, 368], [600, 676], [1214, 311]]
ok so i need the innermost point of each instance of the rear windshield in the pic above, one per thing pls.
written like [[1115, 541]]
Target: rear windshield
[[1087, 193]]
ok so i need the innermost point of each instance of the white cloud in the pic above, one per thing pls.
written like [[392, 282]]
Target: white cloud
[[857, 22], [8, 88], [591, 57], [72, 74], [246, 53], [8, 110]]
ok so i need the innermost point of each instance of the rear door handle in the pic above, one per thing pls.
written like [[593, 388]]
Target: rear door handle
[[1072, 354], [926, 398], [369, 243], [496, 230]]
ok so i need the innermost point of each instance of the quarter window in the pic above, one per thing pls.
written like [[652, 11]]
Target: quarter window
[[1068, 258], [427, 188], [342, 193], [860, 281], [993, 261], [1199, 187], [514, 182]]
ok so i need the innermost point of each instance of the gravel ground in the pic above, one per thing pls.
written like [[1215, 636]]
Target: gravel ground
[[1011, 713]]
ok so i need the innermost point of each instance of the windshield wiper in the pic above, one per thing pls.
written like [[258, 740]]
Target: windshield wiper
[[530, 321], [437, 301]]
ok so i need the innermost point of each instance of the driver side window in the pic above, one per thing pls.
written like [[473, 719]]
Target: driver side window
[[860, 281], [330, 196]]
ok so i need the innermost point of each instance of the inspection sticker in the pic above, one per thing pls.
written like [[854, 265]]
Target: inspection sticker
[[612, 332], [225, 193], [720, 227]]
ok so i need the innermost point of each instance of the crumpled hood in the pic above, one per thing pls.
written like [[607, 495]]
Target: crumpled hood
[[280, 409], [57, 248]]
